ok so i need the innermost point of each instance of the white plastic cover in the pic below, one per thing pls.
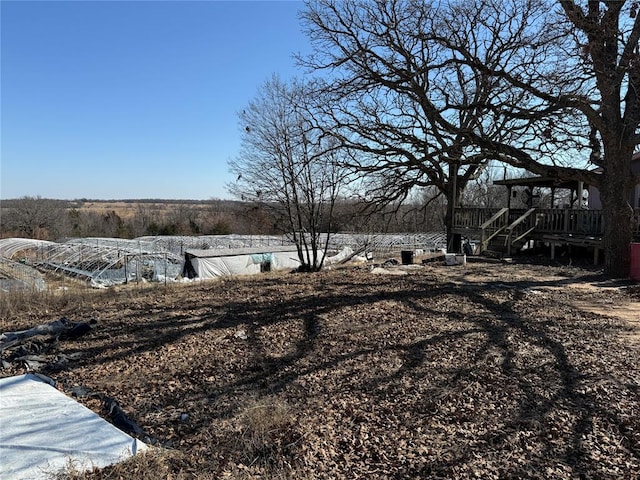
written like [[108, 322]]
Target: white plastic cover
[[43, 431], [284, 260], [341, 256], [212, 267]]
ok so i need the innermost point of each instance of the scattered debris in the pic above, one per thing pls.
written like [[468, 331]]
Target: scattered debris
[[437, 258], [241, 334], [115, 413], [62, 327], [386, 271], [37, 348]]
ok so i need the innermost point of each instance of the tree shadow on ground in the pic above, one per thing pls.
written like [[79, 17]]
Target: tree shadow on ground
[[443, 344]]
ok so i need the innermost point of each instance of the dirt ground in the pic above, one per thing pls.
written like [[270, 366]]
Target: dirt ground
[[489, 370]]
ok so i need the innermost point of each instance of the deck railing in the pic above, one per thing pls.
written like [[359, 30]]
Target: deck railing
[[547, 220], [493, 227], [472, 217], [570, 221], [520, 229]]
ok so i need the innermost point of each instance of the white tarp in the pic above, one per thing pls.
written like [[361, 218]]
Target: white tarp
[[219, 266], [43, 431], [341, 256], [282, 260], [209, 264], [345, 254]]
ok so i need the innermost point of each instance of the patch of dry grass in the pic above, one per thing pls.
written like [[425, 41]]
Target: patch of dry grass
[[152, 464], [64, 298], [269, 436], [15, 305], [268, 441]]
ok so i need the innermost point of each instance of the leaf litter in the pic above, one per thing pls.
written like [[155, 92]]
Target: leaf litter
[[482, 371]]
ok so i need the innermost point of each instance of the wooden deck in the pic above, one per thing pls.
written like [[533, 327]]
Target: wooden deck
[[508, 230]]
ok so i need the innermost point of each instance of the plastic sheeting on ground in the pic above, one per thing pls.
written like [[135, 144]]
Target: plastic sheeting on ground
[[43, 431]]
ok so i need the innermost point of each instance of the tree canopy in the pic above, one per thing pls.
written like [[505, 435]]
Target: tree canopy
[[288, 164], [427, 92]]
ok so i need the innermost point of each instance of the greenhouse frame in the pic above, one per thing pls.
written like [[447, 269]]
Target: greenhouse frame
[[103, 262]]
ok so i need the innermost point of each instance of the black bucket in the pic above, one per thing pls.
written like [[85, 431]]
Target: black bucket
[[407, 257]]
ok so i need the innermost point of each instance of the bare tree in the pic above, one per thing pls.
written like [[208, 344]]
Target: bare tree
[[35, 217], [576, 75], [290, 166], [430, 90], [483, 193], [401, 100]]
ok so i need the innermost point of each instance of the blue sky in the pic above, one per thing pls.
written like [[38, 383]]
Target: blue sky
[[133, 99]]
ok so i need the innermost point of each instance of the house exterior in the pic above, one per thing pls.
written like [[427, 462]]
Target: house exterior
[[594, 195], [569, 219]]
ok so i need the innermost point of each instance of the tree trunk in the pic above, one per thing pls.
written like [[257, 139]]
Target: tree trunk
[[617, 213], [453, 241]]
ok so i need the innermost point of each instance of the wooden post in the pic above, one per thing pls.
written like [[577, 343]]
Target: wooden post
[[580, 193]]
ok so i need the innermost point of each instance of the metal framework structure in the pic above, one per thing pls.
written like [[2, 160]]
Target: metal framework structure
[[111, 261], [10, 247], [388, 244], [99, 261], [16, 273], [179, 244], [15, 276]]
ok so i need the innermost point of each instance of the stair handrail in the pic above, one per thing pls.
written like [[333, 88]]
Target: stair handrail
[[495, 217], [484, 241], [510, 240]]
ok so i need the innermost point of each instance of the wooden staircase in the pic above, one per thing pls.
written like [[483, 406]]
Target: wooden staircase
[[503, 232], [502, 235]]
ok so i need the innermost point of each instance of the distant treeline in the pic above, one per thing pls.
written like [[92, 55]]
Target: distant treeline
[[49, 219], [79, 203]]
